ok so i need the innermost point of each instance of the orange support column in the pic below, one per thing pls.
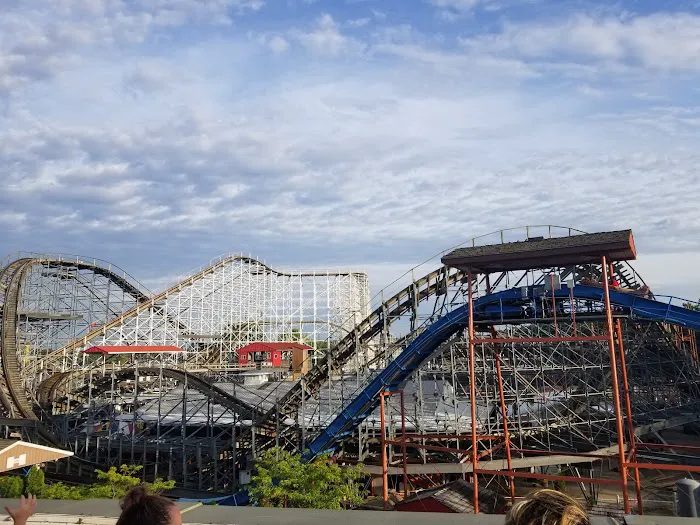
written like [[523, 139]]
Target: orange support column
[[615, 387], [472, 388], [403, 446], [630, 422]]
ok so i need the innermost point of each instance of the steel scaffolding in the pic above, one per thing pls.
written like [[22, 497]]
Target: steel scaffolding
[[197, 419]]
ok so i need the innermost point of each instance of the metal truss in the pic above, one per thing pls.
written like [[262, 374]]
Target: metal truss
[[237, 300], [64, 305], [199, 428]]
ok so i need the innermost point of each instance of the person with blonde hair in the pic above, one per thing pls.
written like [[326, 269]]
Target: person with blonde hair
[[547, 507]]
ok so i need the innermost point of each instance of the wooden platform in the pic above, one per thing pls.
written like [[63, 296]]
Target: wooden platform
[[536, 253]]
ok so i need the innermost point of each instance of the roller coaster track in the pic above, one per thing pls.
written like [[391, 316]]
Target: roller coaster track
[[13, 397], [48, 388], [49, 360], [420, 349], [405, 300], [12, 393]]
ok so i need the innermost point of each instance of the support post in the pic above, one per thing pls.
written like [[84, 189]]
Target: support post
[[303, 416], [403, 446], [630, 422], [615, 386], [506, 436], [134, 420], [385, 481], [472, 388]]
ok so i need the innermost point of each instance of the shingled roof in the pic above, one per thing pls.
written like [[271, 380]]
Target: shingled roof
[[545, 253], [458, 496]]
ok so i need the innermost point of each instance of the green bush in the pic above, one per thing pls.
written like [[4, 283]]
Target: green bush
[[282, 479], [11, 486], [61, 491], [35, 481], [112, 484]]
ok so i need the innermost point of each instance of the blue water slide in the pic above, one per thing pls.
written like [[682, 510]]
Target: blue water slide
[[399, 370]]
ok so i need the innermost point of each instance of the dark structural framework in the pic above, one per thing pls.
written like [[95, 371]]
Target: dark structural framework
[[532, 353]]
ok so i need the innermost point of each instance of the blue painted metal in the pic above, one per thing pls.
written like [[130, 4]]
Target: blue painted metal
[[504, 305], [639, 306], [239, 499]]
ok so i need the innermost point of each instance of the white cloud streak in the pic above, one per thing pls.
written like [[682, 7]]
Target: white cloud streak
[[311, 139], [658, 41]]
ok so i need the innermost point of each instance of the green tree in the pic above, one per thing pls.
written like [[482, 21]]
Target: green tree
[[692, 306], [115, 483], [282, 479], [112, 484], [11, 486], [66, 492], [35, 481]]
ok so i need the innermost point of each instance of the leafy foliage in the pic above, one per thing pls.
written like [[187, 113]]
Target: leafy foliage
[[112, 484], [35, 480], [11, 487], [692, 306], [282, 479], [62, 491]]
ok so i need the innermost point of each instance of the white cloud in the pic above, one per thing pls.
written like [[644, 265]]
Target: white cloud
[[454, 10], [39, 42], [278, 44], [231, 191], [326, 38], [659, 41], [13, 219], [591, 91], [374, 149], [359, 22], [379, 15], [458, 5]]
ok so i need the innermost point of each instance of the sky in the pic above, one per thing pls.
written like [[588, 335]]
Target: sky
[[158, 134]]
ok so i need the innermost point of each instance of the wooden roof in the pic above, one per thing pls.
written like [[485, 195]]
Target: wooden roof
[[16, 454], [272, 346], [545, 253], [458, 496]]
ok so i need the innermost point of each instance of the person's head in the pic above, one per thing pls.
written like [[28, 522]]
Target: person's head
[[547, 507], [139, 507]]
